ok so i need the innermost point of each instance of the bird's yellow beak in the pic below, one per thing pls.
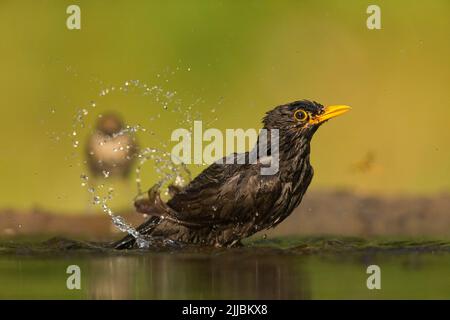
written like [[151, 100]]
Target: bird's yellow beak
[[330, 112]]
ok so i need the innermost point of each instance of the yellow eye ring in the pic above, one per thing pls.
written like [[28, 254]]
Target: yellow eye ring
[[301, 115]]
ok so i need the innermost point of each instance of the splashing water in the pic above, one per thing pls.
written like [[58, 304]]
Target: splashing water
[[120, 222], [168, 173]]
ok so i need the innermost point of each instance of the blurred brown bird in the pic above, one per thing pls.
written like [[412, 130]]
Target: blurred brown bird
[[110, 150]]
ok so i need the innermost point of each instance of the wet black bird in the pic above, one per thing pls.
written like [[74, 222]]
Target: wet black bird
[[229, 202]]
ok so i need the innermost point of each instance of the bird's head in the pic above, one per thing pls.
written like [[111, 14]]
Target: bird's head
[[301, 118], [109, 124]]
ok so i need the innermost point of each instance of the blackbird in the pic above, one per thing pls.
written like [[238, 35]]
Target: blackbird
[[110, 151], [228, 202]]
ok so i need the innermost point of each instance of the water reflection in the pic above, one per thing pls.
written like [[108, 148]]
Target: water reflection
[[247, 273], [168, 276]]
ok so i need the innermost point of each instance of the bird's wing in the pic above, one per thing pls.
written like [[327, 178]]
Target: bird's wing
[[198, 200], [226, 193]]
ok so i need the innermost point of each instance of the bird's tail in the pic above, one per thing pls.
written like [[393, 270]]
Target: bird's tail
[[124, 243], [152, 204], [129, 240], [144, 203]]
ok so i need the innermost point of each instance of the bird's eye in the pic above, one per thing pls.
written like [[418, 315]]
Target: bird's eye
[[301, 115]]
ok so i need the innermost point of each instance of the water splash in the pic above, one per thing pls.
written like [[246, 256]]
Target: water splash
[[79, 123], [120, 222], [168, 173]]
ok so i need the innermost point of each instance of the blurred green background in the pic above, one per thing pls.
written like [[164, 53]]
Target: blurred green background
[[230, 60]]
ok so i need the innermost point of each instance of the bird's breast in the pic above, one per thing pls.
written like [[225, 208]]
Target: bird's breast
[[110, 150]]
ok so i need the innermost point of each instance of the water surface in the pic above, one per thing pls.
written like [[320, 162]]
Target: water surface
[[318, 269]]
